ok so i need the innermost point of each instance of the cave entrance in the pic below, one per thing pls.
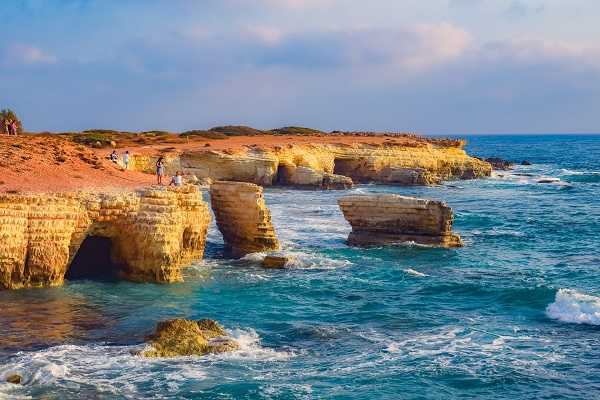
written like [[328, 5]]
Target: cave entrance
[[93, 261], [345, 167]]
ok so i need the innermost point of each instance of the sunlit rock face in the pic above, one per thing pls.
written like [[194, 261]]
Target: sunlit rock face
[[316, 165], [243, 218], [152, 233], [308, 178], [389, 219]]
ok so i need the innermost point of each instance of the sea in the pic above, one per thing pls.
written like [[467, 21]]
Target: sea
[[515, 314]]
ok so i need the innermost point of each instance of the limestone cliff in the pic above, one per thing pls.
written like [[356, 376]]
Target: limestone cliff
[[153, 232], [389, 218], [313, 164], [243, 218]]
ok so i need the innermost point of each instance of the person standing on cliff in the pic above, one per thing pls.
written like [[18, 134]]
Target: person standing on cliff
[[6, 126], [14, 128], [160, 170], [126, 159]]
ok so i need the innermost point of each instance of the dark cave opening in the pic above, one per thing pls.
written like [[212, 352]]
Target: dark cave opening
[[93, 261]]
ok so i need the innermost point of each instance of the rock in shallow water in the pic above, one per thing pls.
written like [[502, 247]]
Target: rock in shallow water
[[276, 261], [14, 379], [389, 219], [182, 337]]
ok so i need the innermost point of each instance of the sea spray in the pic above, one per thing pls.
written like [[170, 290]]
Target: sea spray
[[575, 307]]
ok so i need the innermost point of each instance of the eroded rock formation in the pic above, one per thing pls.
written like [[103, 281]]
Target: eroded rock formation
[[243, 218], [182, 337], [152, 233], [308, 178], [316, 164], [389, 218]]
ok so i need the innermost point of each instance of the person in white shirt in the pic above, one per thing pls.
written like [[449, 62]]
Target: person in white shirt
[[126, 159], [177, 180]]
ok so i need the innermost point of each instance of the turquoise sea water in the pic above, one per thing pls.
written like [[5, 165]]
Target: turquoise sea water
[[514, 314]]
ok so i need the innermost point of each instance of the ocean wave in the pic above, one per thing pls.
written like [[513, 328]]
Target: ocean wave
[[251, 348], [494, 232], [102, 370], [413, 272], [580, 176], [575, 307], [302, 260]]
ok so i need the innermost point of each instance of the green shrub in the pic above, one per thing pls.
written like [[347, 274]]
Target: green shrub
[[295, 130], [237, 130], [154, 133], [90, 139], [204, 134]]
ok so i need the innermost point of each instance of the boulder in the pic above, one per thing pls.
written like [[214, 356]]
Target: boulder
[[499, 163], [382, 219], [15, 379], [182, 337], [336, 182], [243, 218], [276, 261]]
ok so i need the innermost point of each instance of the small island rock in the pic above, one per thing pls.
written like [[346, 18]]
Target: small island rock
[[182, 337], [276, 261], [14, 379]]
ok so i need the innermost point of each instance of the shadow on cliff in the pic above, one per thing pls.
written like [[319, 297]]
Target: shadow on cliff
[[93, 261]]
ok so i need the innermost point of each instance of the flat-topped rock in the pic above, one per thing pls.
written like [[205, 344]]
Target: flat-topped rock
[[382, 219], [243, 218]]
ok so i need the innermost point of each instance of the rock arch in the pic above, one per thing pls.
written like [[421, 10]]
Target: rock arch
[[153, 233]]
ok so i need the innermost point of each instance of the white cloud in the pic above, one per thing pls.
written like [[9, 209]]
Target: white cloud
[[22, 54]]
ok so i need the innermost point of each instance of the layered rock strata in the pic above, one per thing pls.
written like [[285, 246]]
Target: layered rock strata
[[243, 218], [307, 178], [314, 164], [388, 219], [152, 233], [182, 337]]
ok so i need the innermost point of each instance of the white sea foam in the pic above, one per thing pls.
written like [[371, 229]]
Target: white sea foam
[[251, 348], [575, 307], [411, 271], [115, 370], [302, 260]]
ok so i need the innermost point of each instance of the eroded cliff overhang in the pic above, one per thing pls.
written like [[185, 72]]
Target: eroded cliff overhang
[[151, 233]]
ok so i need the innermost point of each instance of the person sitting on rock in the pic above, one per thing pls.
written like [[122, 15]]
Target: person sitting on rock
[[160, 170], [126, 159], [177, 180], [114, 157]]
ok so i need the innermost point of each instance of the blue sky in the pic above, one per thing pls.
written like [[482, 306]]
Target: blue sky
[[435, 66]]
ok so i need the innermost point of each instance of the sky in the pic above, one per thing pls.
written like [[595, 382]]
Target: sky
[[428, 66]]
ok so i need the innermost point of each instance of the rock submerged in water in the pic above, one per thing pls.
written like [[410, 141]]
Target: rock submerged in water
[[390, 219], [182, 337], [276, 261], [15, 379], [499, 163]]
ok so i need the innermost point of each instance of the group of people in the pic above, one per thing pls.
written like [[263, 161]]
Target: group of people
[[114, 157], [176, 180], [10, 127]]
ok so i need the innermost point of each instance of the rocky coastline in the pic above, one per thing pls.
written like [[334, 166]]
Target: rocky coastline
[[149, 234]]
